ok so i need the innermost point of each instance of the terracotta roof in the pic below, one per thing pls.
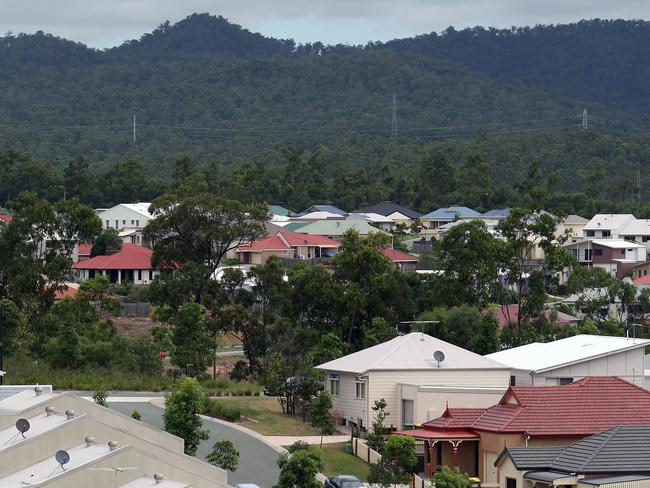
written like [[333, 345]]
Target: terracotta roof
[[67, 292], [508, 313], [131, 256], [6, 218], [643, 280], [273, 243], [456, 418], [285, 240], [398, 256], [84, 249]]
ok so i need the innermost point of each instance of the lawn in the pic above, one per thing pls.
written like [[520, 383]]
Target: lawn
[[263, 415], [337, 461]]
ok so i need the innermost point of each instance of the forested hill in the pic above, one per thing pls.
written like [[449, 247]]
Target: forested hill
[[216, 91]]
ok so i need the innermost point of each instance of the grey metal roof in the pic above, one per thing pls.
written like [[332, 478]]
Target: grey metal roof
[[387, 208], [605, 480], [623, 449], [545, 476], [530, 457]]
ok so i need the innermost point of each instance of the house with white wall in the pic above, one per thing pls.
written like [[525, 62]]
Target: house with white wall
[[571, 359], [126, 215], [606, 226], [415, 385]]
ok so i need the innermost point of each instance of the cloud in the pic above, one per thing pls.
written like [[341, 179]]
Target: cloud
[[103, 23]]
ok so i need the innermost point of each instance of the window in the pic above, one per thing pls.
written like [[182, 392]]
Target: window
[[137, 223], [587, 254], [566, 381], [139, 275], [335, 385], [132, 221], [124, 222], [108, 224], [645, 238], [511, 483], [598, 252], [359, 388], [439, 453], [150, 275], [513, 380], [590, 233], [607, 233], [117, 224]]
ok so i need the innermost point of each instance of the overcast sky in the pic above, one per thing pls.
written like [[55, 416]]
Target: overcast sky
[[105, 23]]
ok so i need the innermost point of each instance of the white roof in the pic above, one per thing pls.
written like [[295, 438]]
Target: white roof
[[608, 221], [617, 243], [412, 351], [371, 217], [141, 208], [37, 425], [574, 220], [544, 356], [48, 469], [319, 215], [636, 227], [148, 481], [24, 400]]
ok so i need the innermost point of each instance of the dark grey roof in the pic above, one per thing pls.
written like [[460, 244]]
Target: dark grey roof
[[605, 480], [623, 449], [387, 208], [530, 457], [545, 476]]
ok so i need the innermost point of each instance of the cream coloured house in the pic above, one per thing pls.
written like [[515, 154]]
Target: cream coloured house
[[416, 387]]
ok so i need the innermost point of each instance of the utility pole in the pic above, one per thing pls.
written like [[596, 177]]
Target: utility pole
[[393, 129], [134, 128], [585, 120]]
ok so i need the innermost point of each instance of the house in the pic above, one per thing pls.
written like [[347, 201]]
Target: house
[[571, 227], [324, 208], [384, 223], [130, 235], [289, 245], [278, 210], [640, 270], [398, 213], [574, 358], [131, 215], [316, 216], [5, 218], [637, 230], [442, 216], [616, 458], [416, 386], [132, 263], [336, 228], [496, 214], [84, 251], [507, 314], [582, 304], [490, 225], [616, 256], [104, 448], [533, 416], [606, 226], [402, 260]]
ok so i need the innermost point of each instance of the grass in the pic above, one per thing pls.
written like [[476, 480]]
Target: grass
[[337, 461], [263, 415]]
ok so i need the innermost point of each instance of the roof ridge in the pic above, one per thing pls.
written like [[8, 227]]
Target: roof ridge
[[595, 451], [391, 351]]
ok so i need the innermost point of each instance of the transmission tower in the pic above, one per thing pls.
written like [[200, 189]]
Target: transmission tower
[[393, 129]]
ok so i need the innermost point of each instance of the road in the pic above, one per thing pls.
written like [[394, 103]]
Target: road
[[257, 461]]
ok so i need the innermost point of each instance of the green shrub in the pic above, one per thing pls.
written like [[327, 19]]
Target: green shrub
[[136, 415], [222, 410]]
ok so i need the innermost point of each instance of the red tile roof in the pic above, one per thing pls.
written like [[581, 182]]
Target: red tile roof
[[643, 280], [6, 218], [84, 249], [439, 434], [67, 292], [508, 313], [398, 256], [582, 408], [456, 418], [285, 240], [131, 256], [273, 243]]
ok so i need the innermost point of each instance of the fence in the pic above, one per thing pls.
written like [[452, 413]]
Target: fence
[[418, 482], [135, 309]]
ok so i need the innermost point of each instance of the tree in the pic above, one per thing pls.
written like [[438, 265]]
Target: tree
[[182, 414], [397, 462], [101, 398], [447, 477], [321, 415], [107, 242], [192, 341], [225, 455], [299, 469], [377, 437]]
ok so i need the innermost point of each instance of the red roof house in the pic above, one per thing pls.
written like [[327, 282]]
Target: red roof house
[[290, 245], [132, 263], [643, 280], [5, 218], [507, 314], [530, 416], [402, 260]]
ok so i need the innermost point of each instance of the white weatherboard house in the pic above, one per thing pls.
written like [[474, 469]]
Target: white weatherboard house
[[126, 216], [571, 359], [416, 387]]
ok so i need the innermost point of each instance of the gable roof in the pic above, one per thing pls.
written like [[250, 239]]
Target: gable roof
[[497, 212], [544, 356], [273, 243], [397, 256], [387, 208], [318, 215], [608, 221], [412, 351], [84, 249], [574, 220], [142, 208], [456, 418], [280, 210], [284, 241], [451, 213], [525, 458], [505, 314], [338, 227], [616, 244], [131, 256], [643, 280], [324, 208]]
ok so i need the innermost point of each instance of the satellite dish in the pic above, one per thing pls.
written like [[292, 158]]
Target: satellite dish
[[439, 356], [62, 457], [23, 426]]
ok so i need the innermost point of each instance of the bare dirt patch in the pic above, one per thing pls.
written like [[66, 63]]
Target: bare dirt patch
[[134, 326]]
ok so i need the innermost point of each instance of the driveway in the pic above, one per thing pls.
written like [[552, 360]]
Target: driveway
[[257, 460]]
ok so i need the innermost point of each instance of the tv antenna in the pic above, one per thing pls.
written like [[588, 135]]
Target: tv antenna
[[117, 470], [22, 426], [439, 356], [421, 322]]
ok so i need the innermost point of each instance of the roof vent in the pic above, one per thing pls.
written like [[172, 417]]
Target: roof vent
[[158, 478], [69, 414], [49, 411], [112, 445], [439, 356], [89, 441], [38, 390]]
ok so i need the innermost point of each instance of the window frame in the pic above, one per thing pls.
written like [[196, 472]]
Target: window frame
[[334, 379], [359, 380]]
